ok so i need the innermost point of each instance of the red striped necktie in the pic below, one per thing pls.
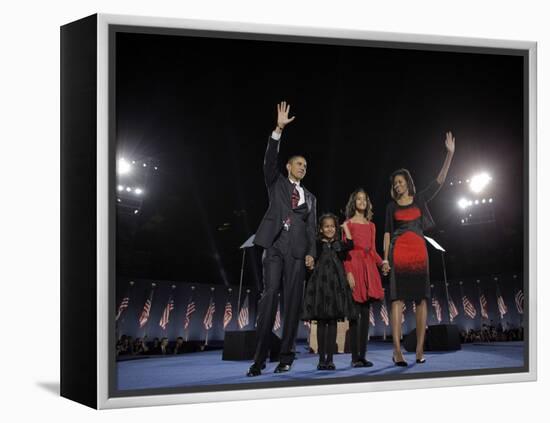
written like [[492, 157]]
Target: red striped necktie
[[295, 196]]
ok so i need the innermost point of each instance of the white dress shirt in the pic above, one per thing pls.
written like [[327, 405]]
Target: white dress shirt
[[302, 200]]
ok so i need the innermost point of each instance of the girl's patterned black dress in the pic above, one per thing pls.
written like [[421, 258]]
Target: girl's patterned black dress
[[327, 294]]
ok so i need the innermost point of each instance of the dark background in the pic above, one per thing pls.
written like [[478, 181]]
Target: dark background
[[202, 109]]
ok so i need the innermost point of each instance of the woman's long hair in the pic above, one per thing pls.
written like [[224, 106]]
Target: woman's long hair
[[408, 178], [351, 209]]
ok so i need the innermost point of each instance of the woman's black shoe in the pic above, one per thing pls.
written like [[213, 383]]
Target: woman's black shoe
[[399, 363], [321, 366], [330, 366], [420, 360]]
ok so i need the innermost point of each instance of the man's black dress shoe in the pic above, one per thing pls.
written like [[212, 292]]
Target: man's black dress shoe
[[357, 363], [281, 368], [330, 366], [321, 366], [254, 370]]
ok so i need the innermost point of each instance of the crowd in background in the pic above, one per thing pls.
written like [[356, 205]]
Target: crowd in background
[[492, 333]]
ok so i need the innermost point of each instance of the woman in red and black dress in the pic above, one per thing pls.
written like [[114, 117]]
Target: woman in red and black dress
[[405, 253]]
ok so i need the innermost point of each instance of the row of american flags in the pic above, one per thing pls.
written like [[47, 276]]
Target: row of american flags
[[469, 309], [243, 319]]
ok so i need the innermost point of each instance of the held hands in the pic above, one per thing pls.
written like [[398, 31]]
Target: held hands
[[450, 142], [345, 227], [282, 116], [310, 262], [351, 281], [385, 268]]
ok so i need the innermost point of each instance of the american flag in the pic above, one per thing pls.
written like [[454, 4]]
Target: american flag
[[277, 324], [123, 306], [166, 314], [519, 301], [371, 316], [188, 313], [453, 311], [144, 317], [483, 304], [437, 308], [208, 317], [502, 309], [384, 314], [403, 314], [243, 314], [469, 308], [228, 314]]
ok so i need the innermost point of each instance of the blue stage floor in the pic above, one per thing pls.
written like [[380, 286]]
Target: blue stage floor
[[207, 368]]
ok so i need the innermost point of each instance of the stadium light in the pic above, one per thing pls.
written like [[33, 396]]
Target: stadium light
[[120, 188], [123, 167], [463, 203], [138, 191], [479, 182]]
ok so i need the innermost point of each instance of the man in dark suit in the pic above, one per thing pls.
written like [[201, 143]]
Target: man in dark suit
[[287, 233]]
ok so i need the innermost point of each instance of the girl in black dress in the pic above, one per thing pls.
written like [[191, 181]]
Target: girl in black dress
[[405, 253], [327, 296]]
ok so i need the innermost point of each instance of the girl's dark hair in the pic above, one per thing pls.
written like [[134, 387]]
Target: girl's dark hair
[[351, 209], [408, 178], [323, 218]]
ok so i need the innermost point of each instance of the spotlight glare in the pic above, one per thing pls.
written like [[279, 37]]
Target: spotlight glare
[[135, 212], [479, 182], [463, 203], [483, 201], [490, 200], [123, 167], [470, 203], [138, 191], [476, 202], [144, 164], [459, 182], [120, 188], [128, 189]]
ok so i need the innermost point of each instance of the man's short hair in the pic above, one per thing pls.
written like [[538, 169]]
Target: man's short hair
[[294, 157]]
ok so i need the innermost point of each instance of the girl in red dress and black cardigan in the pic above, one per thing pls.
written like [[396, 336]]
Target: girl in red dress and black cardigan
[[361, 266]]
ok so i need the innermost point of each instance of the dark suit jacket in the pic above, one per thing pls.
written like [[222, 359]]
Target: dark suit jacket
[[279, 189]]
